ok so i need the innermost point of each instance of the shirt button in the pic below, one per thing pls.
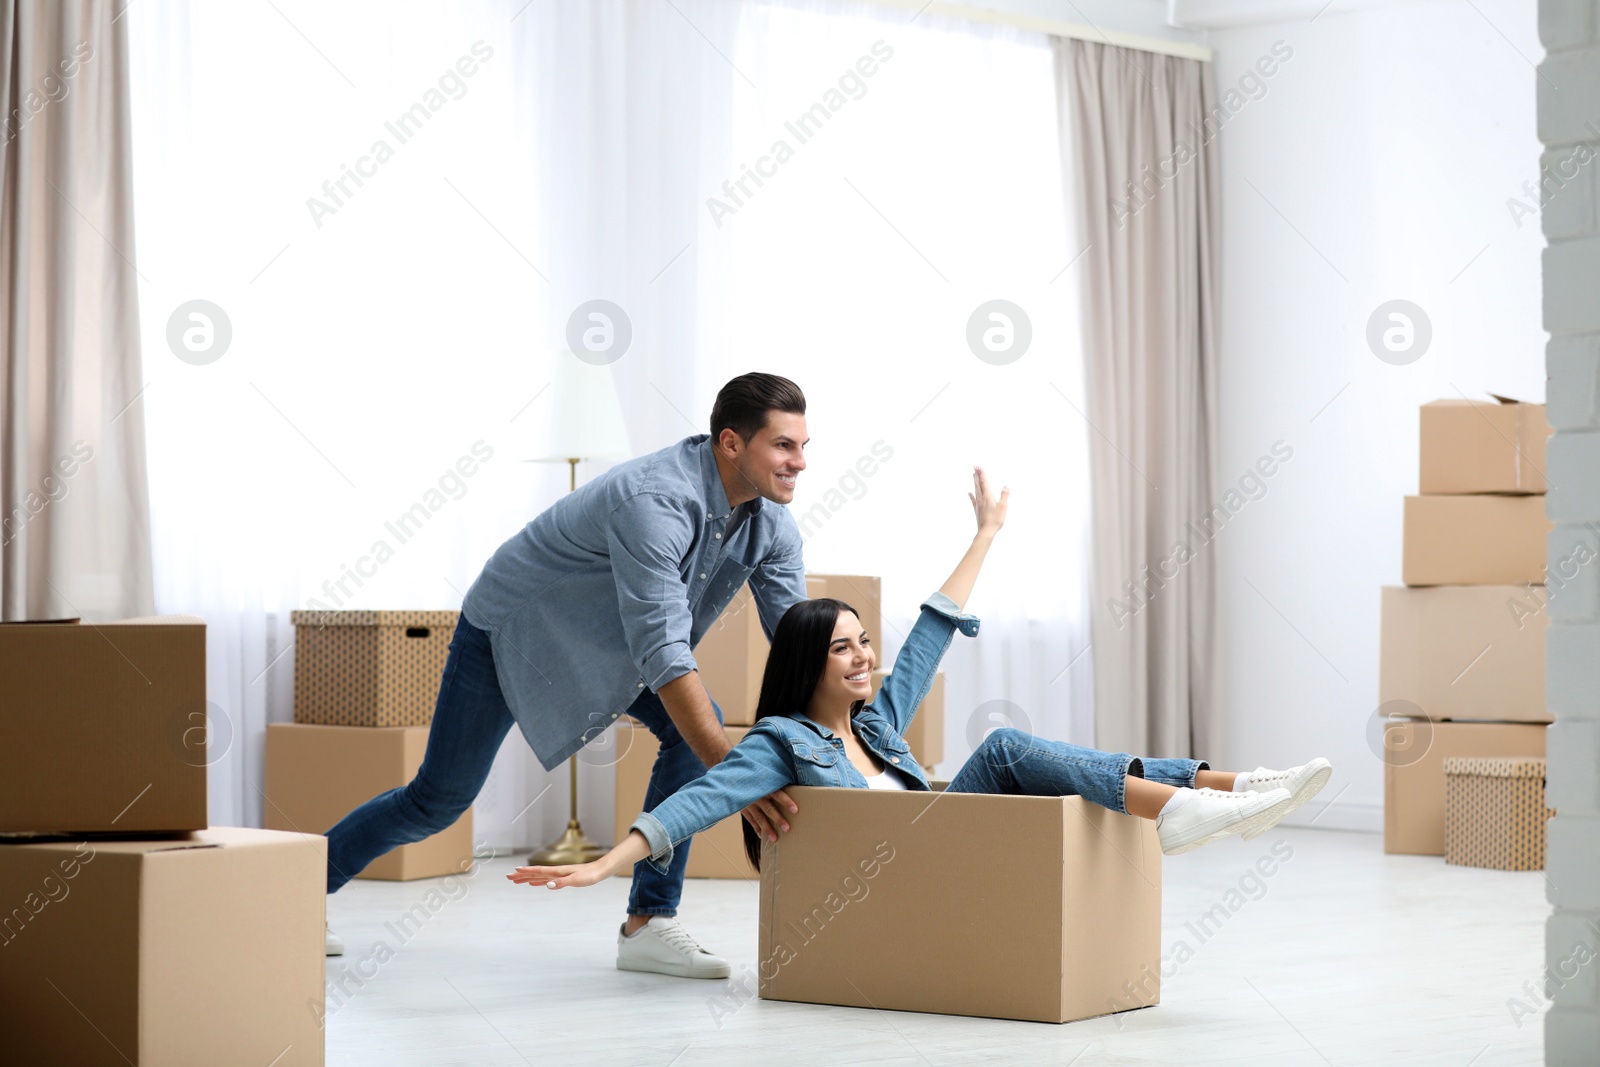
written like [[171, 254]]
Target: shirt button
[[702, 576], [639, 686], [894, 759], [719, 537]]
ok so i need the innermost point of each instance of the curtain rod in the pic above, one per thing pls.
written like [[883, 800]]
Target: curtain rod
[[1055, 28]]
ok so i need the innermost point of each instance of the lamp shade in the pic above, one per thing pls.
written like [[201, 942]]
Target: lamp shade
[[583, 417]]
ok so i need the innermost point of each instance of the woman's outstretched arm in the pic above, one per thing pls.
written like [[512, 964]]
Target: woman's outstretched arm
[[755, 767], [990, 511]]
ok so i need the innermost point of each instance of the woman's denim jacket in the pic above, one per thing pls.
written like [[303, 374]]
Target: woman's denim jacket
[[782, 750]]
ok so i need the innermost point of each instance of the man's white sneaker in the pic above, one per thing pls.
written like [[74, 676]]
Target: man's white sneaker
[[1212, 813], [334, 943], [663, 946], [1302, 782]]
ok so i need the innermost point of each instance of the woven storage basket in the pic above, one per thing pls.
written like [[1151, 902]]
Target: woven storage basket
[[1494, 812], [369, 668]]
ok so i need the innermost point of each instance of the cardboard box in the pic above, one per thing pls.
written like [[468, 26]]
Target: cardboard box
[[1464, 652], [1483, 446], [926, 735], [861, 592], [1474, 540], [859, 906], [717, 852], [731, 657], [369, 668], [104, 726], [1413, 773], [1494, 813], [316, 775], [200, 950]]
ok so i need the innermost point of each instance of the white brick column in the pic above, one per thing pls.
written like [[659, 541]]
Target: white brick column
[[1569, 126]]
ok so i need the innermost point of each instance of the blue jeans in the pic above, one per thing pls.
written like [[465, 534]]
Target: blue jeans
[[470, 721], [1012, 762]]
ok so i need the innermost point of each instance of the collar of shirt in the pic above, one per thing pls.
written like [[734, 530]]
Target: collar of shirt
[[717, 507]]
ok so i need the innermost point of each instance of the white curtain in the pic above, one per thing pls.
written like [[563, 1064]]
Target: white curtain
[[1149, 197], [934, 187], [374, 343], [372, 346], [74, 511]]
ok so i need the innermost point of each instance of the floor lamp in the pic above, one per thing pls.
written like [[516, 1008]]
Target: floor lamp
[[585, 425]]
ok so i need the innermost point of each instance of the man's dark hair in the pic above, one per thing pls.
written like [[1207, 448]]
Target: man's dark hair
[[743, 403], [794, 667]]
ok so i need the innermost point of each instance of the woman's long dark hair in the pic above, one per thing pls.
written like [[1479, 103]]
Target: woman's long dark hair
[[794, 667]]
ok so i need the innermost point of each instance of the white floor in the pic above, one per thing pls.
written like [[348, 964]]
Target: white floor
[[1343, 956]]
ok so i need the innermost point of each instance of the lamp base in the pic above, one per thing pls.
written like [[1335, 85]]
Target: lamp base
[[571, 848]]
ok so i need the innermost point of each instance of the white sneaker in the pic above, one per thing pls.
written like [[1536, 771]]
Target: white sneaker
[[1302, 782], [663, 946], [1213, 813], [334, 943]]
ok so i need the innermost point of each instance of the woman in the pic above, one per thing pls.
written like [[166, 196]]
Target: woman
[[814, 727]]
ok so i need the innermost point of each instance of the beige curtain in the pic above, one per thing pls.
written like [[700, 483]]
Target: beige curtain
[[1138, 146], [74, 509]]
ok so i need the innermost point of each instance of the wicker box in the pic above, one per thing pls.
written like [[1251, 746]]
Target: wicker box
[[369, 668], [1494, 812]]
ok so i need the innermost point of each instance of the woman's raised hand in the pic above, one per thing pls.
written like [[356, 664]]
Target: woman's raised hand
[[989, 509]]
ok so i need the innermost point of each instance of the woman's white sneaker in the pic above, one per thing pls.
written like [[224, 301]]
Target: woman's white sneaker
[[1302, 782], [663, 946], [1208, 814]]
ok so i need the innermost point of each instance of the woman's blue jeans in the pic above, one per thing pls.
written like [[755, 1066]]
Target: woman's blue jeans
[[470, 721], [1013, 762]]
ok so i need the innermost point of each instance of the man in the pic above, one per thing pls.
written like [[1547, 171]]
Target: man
[[592, 610]]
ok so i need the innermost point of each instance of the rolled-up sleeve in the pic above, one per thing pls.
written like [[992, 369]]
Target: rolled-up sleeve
[[648, 537], [966, 623]]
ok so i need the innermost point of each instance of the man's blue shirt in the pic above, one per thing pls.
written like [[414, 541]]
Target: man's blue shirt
[[606, 592]]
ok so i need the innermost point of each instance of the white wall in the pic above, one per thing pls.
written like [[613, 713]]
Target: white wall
[[1376, 166]]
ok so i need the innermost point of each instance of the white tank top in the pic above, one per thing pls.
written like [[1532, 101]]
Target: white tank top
[[888, 779]]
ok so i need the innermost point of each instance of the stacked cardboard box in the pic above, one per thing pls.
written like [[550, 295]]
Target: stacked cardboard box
[[1461, 670], [365, 684], [126, 915]]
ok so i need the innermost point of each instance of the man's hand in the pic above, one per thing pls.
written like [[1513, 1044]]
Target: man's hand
[[767, 815]]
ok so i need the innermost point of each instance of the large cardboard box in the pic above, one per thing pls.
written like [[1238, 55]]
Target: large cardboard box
[[1413, 773], [860, 906], [926, 734], [715, 853], [201, 950], [731, 657], [1494, 813], [1474, 540], [316, 775], [103, 727], [1482, 446], [1464, 652], [369, 668]]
